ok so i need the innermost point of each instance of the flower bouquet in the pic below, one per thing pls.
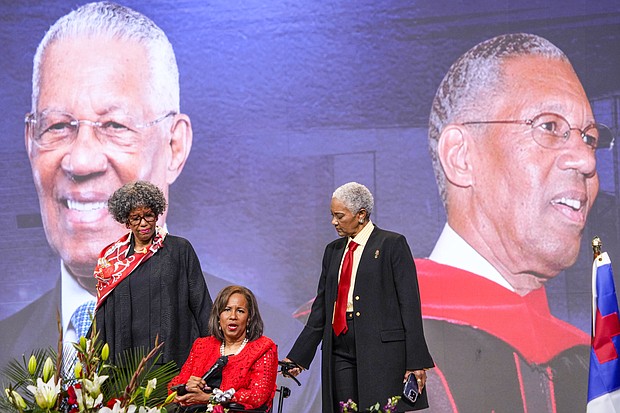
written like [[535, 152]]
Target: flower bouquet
[[350, 406], [218, 402], [85, 382]]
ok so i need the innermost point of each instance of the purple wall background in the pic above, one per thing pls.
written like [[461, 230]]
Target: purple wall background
[[289, 100]]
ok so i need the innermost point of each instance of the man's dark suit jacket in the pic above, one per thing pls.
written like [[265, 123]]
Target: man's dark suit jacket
[[388, 323], [33, 327]]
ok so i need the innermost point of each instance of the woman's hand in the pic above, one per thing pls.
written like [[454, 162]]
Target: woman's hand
[[294, 371], [197, 392], [420, 376]]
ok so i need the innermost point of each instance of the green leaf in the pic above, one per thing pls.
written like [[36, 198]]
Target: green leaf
[[123, 372]]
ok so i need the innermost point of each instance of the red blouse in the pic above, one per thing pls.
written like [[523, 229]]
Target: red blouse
[[252, 372]]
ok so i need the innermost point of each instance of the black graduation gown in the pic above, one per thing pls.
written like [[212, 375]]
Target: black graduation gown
[[165, 296]]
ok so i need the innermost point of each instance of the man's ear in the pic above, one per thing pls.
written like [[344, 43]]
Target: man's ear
[[455, 155], [27, 140], [180, 145]]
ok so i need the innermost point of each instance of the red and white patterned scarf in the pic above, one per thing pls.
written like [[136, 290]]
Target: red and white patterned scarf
[[114, 265]]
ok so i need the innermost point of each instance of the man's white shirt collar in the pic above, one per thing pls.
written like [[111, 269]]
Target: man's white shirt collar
[[451, 249]]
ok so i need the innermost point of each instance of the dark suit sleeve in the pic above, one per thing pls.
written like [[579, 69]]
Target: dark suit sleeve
[[408, 294], [33, 327], [199, 298], [305, 346]]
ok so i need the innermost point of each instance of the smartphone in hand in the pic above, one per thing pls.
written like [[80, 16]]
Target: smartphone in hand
[[410, 391]]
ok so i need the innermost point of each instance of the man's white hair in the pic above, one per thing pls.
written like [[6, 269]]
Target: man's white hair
[[118, 22]]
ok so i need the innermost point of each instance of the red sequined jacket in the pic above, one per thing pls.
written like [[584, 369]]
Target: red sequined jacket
[[252, 372]]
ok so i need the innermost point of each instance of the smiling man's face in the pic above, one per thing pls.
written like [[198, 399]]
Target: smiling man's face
[[94, 79]]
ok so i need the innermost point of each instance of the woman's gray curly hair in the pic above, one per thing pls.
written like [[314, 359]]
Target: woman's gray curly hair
[[133, 195], [355, 197]]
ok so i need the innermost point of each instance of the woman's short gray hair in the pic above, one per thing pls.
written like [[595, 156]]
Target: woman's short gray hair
[[473, 81], [133, 195], [355, 197], [118, 22]]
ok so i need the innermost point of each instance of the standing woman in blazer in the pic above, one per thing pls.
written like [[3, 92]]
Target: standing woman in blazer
[[366, 312]]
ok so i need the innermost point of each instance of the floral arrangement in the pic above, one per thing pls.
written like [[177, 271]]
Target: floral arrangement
[[350, 406], [218, 400], [50, 382]]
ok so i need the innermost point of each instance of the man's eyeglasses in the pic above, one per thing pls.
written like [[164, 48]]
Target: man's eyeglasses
[[552, 131], [137, 219], [52, 130]]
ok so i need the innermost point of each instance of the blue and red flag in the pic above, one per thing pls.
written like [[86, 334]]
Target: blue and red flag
[[604, 378]]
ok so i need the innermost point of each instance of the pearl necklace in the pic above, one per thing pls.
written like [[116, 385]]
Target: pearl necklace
[[223, 347]]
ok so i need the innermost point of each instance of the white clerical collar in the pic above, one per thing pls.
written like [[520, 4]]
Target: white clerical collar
[[451, 249]]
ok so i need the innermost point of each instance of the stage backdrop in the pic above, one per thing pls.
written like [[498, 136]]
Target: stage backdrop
[[288, 100]]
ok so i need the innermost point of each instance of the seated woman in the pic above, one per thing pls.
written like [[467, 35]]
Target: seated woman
[[236, 331]]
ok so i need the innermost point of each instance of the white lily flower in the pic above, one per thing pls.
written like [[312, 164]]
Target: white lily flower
[[150, 386], [45, 393], [86, 401], [93, 387], [118, 409], [148, 410], [115, 409]]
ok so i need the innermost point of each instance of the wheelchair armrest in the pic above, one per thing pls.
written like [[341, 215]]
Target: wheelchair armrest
[[237, 407], [194, 408]]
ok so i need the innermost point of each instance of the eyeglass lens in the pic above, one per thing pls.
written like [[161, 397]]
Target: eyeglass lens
[[135, 220], [552, 131]]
